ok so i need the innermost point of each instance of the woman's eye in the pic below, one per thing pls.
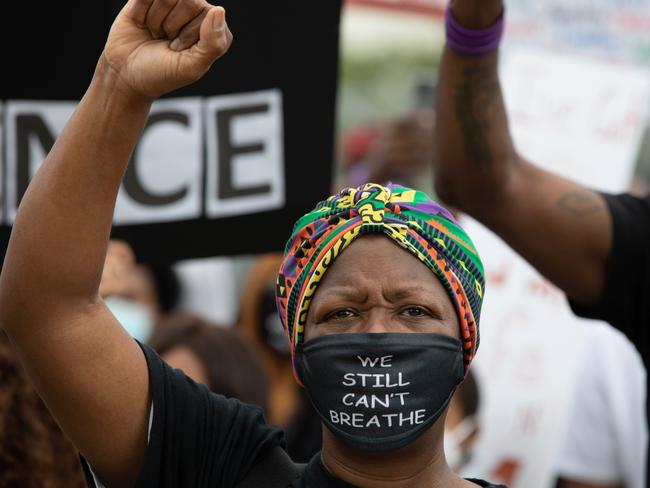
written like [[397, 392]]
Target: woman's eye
[[415, 312], [340, 314]]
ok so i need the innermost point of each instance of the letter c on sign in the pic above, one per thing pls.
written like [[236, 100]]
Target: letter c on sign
[[132, 184]]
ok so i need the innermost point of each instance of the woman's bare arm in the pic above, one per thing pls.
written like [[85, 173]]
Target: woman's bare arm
[[91, 374]]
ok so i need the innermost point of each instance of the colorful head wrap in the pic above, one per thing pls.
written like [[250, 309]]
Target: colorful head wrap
[[407, 216]]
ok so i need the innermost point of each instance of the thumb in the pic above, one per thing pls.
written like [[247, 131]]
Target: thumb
[[214, 36]]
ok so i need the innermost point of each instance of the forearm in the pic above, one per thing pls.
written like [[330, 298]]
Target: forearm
[[477, 169], [474, 152], [59, 238]]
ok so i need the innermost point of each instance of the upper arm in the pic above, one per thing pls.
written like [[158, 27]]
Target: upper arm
[[93, 378], [562, 228]]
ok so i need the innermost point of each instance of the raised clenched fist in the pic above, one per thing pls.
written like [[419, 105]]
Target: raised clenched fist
[[156, 46]]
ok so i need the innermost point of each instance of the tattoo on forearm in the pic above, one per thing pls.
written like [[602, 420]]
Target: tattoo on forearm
[[580, 203], [477, 93]]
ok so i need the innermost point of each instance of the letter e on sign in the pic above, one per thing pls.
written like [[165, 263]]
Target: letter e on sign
[[245, 153]]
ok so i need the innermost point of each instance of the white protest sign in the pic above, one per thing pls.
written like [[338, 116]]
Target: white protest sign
[[575, 116], [617, 29], [584, 120]]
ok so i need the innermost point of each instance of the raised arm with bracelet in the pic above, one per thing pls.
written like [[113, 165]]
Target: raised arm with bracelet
[[593, 245], [562, 228]]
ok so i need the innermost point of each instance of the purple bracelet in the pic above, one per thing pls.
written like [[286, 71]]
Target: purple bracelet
[[469, 41]]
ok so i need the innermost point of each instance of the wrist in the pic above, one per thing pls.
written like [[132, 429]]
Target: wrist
[[476, 14], [473, 41], [108, 82]]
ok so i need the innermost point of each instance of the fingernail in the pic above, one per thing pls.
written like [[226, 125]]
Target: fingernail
[[175, 44]]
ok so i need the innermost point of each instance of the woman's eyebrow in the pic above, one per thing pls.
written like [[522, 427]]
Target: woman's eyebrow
[[398, 291], [408, 291], [345, 292], [420, 293]]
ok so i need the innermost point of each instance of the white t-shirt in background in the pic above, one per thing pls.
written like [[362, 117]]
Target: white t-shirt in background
[[607, 435]]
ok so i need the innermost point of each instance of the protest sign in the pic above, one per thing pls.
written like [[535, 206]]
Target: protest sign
[[225, 165]]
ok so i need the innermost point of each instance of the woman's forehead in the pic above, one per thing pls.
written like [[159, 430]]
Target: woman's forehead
[[373, 260]]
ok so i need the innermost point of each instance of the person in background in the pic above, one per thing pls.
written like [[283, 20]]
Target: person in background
[[594, 246], [396, 150], [213, 355], [606, 415], [34, 452], [462, 424], [289, 406], [356, 143], [139, 294]]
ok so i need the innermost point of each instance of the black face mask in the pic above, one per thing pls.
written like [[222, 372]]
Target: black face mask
[[379, 392]]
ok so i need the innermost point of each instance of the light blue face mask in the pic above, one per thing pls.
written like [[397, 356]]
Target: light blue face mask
[[135, 317]]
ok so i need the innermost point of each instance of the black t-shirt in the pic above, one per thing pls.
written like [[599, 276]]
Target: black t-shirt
[[316, 476], [200, 439], [626, 302], [304, 433]]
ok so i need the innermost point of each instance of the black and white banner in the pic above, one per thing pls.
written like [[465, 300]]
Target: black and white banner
[[224, 166]]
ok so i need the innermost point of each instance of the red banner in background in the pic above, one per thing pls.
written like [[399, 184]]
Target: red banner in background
[[427, 7]]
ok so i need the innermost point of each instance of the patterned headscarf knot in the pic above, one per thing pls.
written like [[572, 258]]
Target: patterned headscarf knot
[[408, 217]]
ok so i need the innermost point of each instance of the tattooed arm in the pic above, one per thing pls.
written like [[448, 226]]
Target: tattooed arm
[[560, 227]]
